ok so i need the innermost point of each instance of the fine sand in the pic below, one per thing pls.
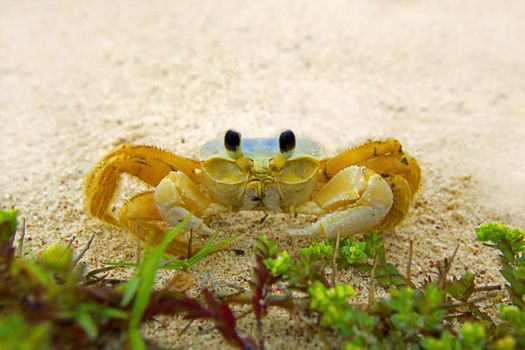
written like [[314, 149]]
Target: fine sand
[[447, 78]]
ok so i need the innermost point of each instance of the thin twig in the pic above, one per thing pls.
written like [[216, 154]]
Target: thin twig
[[164, 264], [70, 243], [263, 218], [98, 280], [472, 301], [20, 248], [409, 265], [460, 315], [12, 239], [95, 272], [452, 258], [229, 295], [187, 326], [91, 277], [487, 288], [110, 282], [204, 279], [244, 314], [213, 282], [444, 270], [272, 300], [241, 315], [238, 290], [234, 286], [81, 254], [334, 258]]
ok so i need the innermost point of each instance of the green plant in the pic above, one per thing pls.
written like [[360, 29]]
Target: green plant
[[319, 250], [333, 304], [417, 317], [49, 304], [511, 244], [174, 263], [46, 302]]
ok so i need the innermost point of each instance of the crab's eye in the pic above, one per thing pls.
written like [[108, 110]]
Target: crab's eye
[[232, 143], [287, 143]]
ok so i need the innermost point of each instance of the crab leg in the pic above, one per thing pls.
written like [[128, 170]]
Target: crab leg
[[403, 195], [140, 216], [402, 165], [150, 164], [355, 200], [176, 196], [361, 153], [387, 158]]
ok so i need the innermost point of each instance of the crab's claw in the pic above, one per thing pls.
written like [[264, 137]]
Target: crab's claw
[[176, 196], [352, 202]]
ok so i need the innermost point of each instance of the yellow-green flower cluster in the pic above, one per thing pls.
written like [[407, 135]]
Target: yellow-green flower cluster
[[353, 251]]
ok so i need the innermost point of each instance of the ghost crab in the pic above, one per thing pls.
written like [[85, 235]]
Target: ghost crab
[[366, 187]]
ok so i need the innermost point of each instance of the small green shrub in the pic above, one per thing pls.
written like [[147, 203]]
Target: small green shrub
[[47, 302]]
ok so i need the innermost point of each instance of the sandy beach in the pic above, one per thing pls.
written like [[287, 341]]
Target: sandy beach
[[446, 78]]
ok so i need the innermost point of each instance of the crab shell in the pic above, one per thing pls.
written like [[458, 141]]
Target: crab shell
[[227, 183]]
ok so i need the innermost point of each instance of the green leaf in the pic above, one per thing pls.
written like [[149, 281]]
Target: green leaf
[[332, 302], [38, 273], [319, 250], [498, 233], [280, 265], [387, 274], [57, 258], [8, 225], [461, 289], [375, 245], [353, 251], [174, 263], [147, 271], [130, 288], [16, 333], [264, 243], [445, 342], [109, 312], [506, 251], [208, 248], [472, 336], [136, 339], [86, 322]]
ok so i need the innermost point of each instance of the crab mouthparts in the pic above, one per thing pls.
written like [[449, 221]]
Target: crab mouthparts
[[253, 195], [256, 188]]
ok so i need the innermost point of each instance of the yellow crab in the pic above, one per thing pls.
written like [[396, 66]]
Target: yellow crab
[[366, 187]]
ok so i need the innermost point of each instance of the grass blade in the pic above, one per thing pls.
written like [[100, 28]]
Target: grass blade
[[147, 272]]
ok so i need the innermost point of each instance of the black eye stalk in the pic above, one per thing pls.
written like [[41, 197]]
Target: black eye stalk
[[232, 143], [286, 149], [287, 143]]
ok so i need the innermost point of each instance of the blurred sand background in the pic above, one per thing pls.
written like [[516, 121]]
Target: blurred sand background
[[447, 78]]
